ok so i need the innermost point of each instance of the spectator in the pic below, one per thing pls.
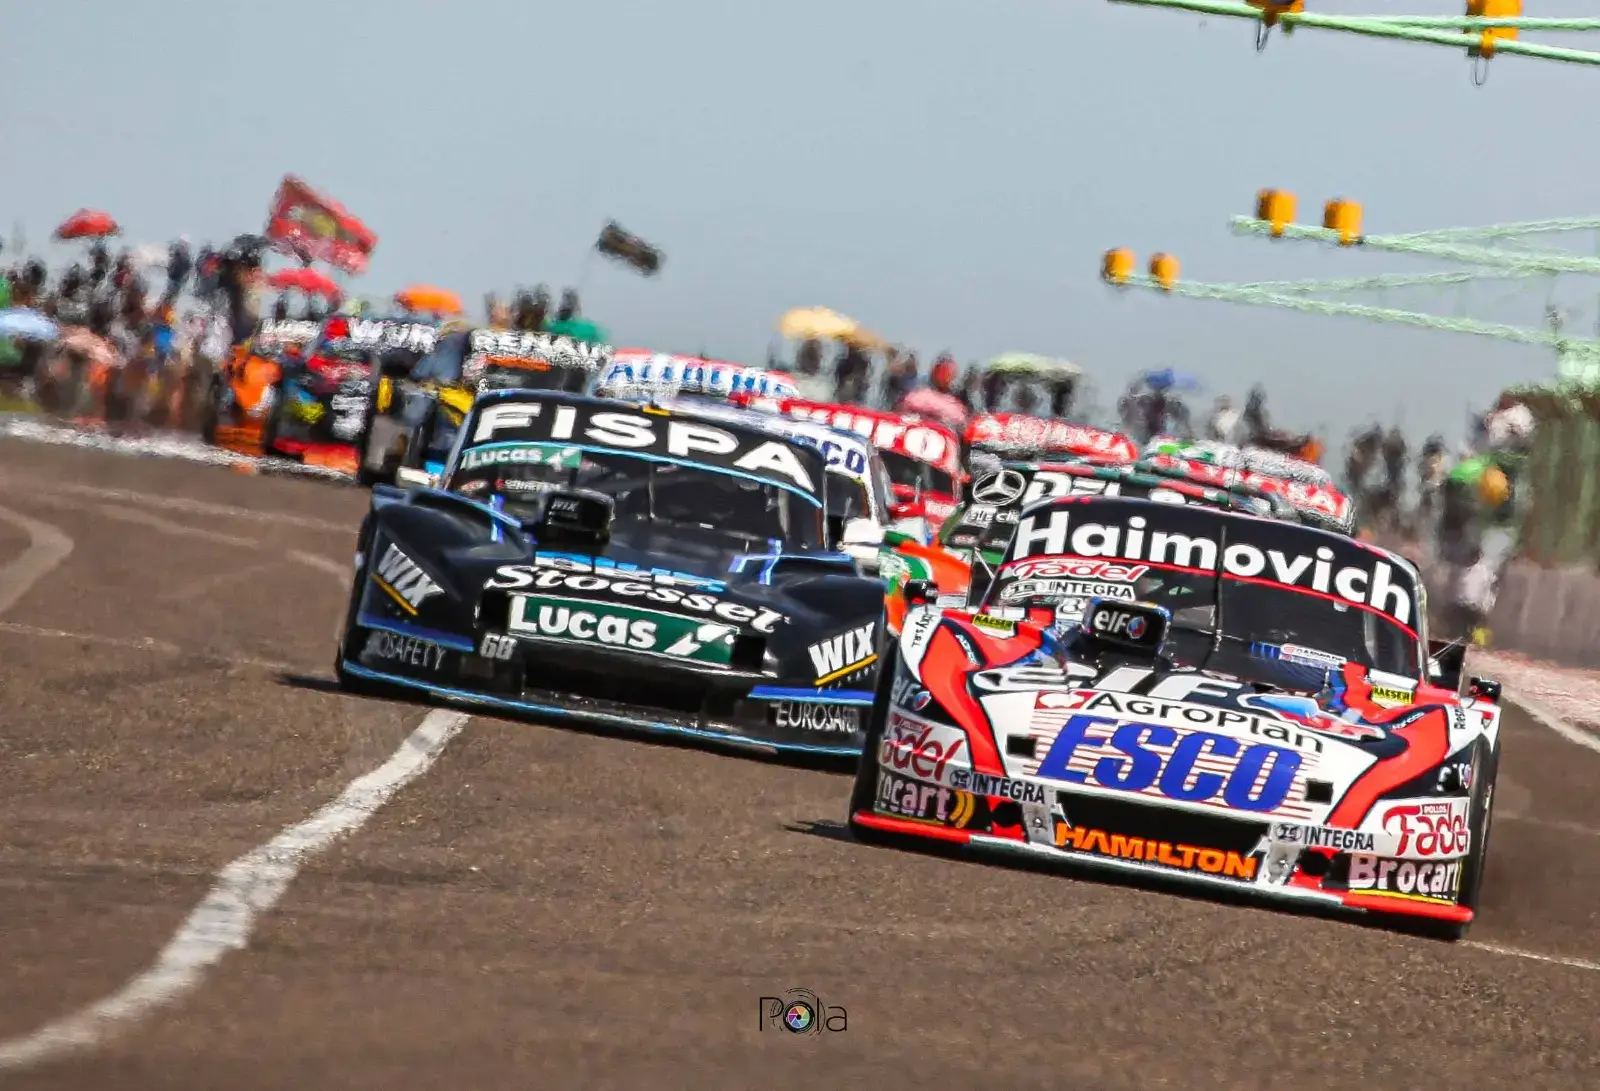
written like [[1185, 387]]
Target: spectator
[[1255, 416], [179, 264], [532, 310], [1223, 423], [570, 323], [1394, 462], [971, 392], [899, 377], [850, 375]]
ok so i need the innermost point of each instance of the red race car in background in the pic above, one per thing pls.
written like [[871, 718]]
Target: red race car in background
[[1018, 435]]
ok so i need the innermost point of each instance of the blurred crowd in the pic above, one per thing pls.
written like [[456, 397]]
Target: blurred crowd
[[153, 313], [1456, 511]]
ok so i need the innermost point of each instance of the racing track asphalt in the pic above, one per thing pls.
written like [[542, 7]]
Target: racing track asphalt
[[548, 908]]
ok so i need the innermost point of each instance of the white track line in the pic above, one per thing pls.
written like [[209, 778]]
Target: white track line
[[138, 643], [1587, 739], [179, 503], [47, 548], [244, 890], [1517, 952], [341, 572]]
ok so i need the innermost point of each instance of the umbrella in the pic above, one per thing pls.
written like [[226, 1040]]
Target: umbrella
[[27, 325], [308, 281], [821, 324], [427, 299], [87, 223], [1033, 364], [1167, 379], [942, 407]]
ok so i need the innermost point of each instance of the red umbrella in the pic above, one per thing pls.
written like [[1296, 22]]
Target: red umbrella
[[308, 281], [88, 223]]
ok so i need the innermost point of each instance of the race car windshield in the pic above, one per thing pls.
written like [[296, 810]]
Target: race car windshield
[[920, 476], [644, 491], [1268, 601]]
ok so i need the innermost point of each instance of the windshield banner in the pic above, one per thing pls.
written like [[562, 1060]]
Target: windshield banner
[[653, 434], [1199, 539]]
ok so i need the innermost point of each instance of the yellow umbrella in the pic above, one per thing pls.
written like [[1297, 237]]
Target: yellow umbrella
[[821, 324]]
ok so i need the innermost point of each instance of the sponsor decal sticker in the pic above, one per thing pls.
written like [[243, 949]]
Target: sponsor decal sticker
[[924, 802], [404, 580], [918, 747], [844, 654], [1052, 535], [522, 454], [659, 588], [1181, 714], [1069, 590], [407, 650], [1146, 850], [629, 431], [1390, 696], [998, 625], [1190, 767], [1426, 829], [1324, 837], [648, 632], [810, 716], [1431, 881], [985, 784], [1073, 568]]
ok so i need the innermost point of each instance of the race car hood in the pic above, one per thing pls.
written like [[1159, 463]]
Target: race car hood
[[1036, 709], [806, 618]]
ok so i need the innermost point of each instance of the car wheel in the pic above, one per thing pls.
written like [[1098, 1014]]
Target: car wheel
[[865, 789], [211, 410], [346, 650]]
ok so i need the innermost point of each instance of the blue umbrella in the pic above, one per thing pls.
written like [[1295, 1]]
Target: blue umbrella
[[1167, 379], [27, 325]]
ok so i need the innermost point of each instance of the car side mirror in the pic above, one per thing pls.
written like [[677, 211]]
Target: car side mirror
[[1484, 689], [1446, 658], [918, 592]]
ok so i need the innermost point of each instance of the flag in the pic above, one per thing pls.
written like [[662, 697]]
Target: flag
[[631, 250]]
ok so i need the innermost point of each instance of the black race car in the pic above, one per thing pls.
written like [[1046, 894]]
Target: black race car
[[620, 564]]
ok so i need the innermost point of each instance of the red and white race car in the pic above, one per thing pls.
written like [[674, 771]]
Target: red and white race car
[[1305, 486], [1018, 435], [923, 457], [1241, 703]]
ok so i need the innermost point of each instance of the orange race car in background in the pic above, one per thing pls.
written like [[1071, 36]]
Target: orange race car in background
[[303, 389]]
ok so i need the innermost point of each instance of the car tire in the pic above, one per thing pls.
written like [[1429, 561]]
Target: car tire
[[211, 410], [865, 788], [345, 651]]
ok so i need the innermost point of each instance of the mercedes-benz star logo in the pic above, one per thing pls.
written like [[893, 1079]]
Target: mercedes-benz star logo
[[1000, 488]]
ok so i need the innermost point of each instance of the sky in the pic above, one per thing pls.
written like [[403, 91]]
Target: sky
[[948, 173]]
